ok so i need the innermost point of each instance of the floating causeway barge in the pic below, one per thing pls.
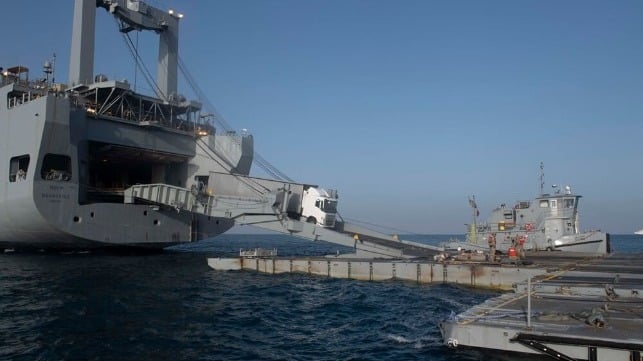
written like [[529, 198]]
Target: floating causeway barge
[[478, 275], [592, 312], [561, 306]]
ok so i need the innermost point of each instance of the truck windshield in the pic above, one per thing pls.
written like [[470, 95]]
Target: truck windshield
[[329, 206]]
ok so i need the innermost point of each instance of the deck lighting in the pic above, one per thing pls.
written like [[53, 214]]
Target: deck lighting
[[175, 14]]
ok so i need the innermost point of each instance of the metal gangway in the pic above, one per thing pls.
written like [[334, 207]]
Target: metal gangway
[[268, 211]]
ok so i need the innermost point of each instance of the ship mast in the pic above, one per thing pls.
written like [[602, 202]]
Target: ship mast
[[542, 178], [473, 237]]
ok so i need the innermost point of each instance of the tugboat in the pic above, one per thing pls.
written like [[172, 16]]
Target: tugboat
[[550, 222]]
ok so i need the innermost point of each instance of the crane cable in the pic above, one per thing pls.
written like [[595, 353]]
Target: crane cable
[[133, 49], [150, 81], [257, 158], [140, 64], [220, 120]]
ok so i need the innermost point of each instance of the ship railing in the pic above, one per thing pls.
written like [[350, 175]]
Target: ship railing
[[23, 98], [257, 253], [150, 116], [5, 80], [561, 214], [506, 227]]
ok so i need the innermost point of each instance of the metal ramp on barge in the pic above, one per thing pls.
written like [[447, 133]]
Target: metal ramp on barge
[[268, 211]]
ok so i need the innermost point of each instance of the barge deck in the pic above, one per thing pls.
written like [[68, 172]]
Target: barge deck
[[592, 312], [561, 306]]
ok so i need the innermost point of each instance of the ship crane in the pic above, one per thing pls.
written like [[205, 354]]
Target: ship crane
[[132, 15]]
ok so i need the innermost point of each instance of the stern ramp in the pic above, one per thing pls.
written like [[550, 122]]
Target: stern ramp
[[269, 211]]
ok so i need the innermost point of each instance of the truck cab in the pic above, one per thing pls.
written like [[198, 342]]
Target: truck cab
[[319, 206]]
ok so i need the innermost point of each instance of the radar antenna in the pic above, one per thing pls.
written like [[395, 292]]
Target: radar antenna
[[49, 68]]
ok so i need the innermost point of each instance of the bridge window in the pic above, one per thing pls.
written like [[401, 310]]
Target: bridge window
[[553, 203], [569, 203], [544, 203], [523, 205], [18, 167], [56, 167], [502, 226]]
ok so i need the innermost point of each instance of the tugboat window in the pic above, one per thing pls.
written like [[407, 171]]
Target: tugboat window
[[56, 167], [544, 203], [554, 204], [569, 203], [18, 167]]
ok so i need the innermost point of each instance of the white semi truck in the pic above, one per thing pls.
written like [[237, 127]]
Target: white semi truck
[[319, 206], [305, 202]]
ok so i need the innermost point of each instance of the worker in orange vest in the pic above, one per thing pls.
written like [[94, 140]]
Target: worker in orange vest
[[511, 252], [520, 249]]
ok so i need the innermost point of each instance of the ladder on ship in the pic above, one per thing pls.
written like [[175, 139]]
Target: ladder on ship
[[268, 211]]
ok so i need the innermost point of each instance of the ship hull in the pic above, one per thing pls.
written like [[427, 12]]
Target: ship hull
[[58, 222], [67, 172]]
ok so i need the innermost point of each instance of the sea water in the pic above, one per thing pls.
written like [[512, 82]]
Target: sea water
[[172, 306]]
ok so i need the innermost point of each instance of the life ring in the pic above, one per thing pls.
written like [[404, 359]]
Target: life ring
[[512, 252], [529, 227], [522, 239]]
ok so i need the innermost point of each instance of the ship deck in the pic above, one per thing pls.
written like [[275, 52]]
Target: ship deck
[[592, 311]]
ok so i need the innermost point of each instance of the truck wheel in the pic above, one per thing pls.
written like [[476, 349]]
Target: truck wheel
[[311, 219]]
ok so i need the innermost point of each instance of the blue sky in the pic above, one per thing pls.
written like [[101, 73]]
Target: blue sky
[[407, 107]]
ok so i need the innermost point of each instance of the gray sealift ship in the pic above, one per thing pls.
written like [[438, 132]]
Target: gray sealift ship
[[550, 222], [93, 163], [71, 149]]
